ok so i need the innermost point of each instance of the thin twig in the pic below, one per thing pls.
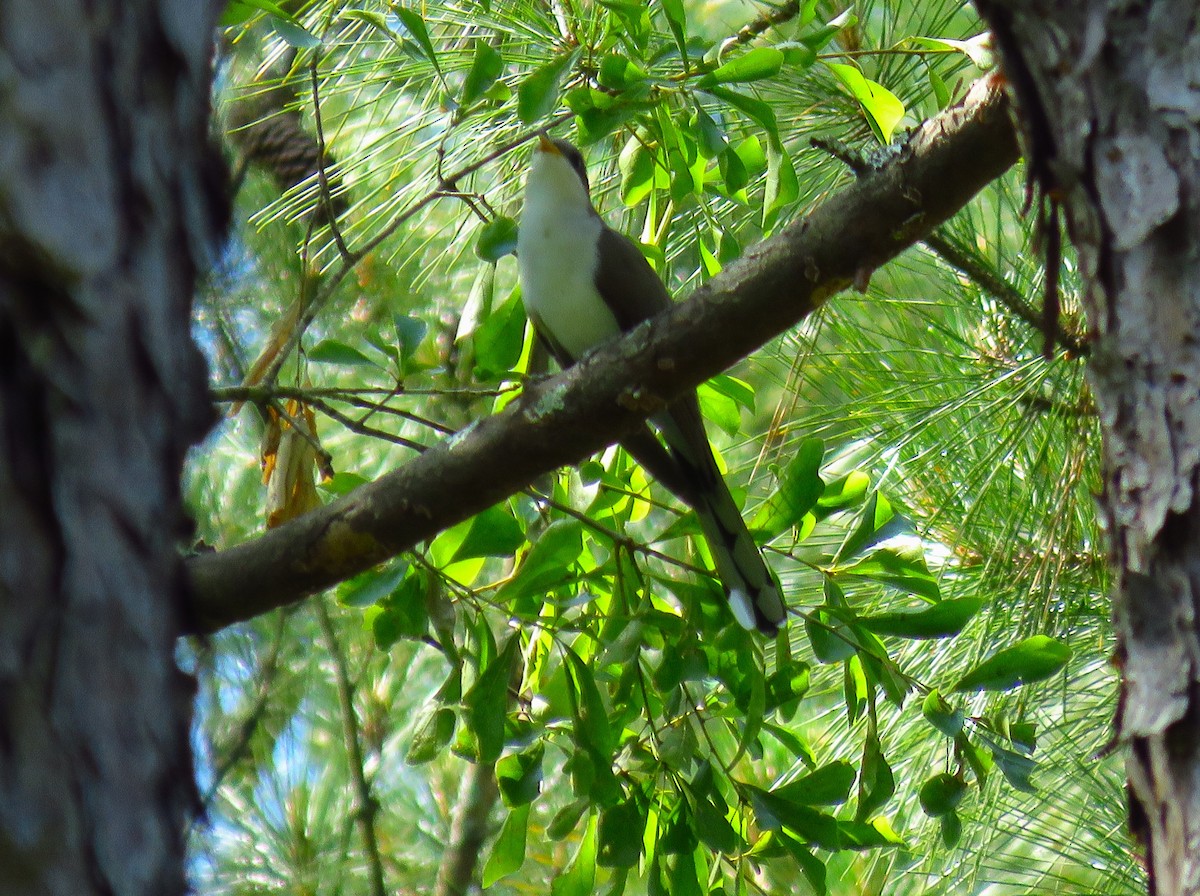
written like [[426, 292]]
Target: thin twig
[[322, 178], [367, 807]]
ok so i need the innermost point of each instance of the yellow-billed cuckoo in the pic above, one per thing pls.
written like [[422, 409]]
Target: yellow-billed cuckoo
[[583, 284]]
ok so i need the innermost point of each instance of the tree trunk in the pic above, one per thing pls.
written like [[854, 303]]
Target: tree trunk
[[106, 206], [1109, 99]]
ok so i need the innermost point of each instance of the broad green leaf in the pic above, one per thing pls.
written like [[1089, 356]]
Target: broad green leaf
[[714, 829], [812, 867], [941, 93], [620, 835], [677, 21], [941, 715], [537, 95], [579, 879], [592, 722], [783, 188], [941, 794], [733, 172], [845, 491], [854, 688], [882, 108], [799, 488], [774, 812], [549, 563], [877, 522], [868, 835], [619, 72], [817, 39], [637, 172], [342, 483], [497, 238], [402, 614], [754, 65], [498, 341], [372, 586], [1017, 769], [876, 782], [831, 638], [415, 26], [519, 775], [331, 351], [942, 620], [487, 702], [679, 837], [410, 331], [787, 685], [478, 307], [828, 785], [508, 852], [903, 570], [755, 109], [1033, 659], [486, 67], [567, 818], [432, 735], [951, 828], [493, 533], [294, 34], [792, 743]]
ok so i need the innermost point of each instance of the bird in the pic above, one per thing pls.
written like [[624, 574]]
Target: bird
[[583, 284]]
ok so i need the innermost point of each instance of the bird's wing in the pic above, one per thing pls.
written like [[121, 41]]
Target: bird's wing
[[626, 282]]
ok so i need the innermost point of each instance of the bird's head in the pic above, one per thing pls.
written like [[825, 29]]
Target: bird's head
[[553, 159]]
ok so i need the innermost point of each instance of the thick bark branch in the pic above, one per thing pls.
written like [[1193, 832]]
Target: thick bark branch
[[947, 161]]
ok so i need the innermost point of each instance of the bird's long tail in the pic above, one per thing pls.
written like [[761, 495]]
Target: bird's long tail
[[687, 467]]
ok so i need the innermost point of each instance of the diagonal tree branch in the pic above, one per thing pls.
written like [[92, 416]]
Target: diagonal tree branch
[[778, 283]]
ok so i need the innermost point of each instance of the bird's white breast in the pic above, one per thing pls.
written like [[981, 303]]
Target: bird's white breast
[[557, 248]]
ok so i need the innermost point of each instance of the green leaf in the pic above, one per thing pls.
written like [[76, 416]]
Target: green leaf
[[828, 785], [487, 702], [579, 879], [714, 829], [812, 867], [621, 828], [951, 828], [591, 715], [432, 735], [845, 491], [719, 409], [882, 108], [1033, 659], [941, 715], [774, 812], [941, 794], [497, 238], [372, 586], [831, 638], [410, 331], [799, 488], [493, 533], [537, 95], [753, 108], [942, 620], [498, 341], [486, 67], [415, 26], [566, 818], [877, 522], [817, 39], [876, 783], [402, 614], [508, 852], [1017, 769], [294, 34], [637, 172], [519, 775], [549, 563], [868, 835], [677, 21], [758, 63], [331, 351], [905, 570], [793, 744], [618, 72]]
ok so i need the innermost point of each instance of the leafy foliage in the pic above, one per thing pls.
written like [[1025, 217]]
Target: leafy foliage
[[920, 475]]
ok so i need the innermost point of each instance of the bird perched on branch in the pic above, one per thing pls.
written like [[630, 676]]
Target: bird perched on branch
[[584, 283]]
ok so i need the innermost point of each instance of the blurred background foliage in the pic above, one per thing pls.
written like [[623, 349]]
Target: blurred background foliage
[[921, 474]]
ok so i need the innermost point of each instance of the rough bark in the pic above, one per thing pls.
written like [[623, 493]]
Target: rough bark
[[1109, 98], [577, 413], [105, 180]]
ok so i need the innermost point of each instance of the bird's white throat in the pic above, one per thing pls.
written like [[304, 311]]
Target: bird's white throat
[[558, 250]]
